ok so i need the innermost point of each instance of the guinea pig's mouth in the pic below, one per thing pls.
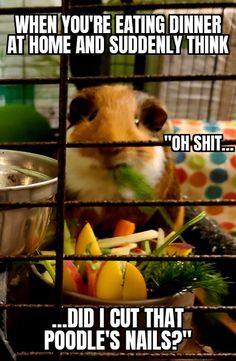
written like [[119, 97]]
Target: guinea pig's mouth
[[116, 165], [111, 163], [112, 168]]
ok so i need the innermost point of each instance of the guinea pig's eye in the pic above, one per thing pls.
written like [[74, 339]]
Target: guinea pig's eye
[[153, 116], [136, 122], [92, 115], [80, 107]]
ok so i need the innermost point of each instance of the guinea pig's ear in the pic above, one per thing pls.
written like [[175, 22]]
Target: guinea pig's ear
[[80, 107], [152, 115]]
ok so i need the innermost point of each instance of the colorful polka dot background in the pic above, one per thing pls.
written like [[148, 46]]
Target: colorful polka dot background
[[209, 175]]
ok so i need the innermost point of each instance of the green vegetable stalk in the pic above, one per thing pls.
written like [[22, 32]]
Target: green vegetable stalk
[[127, 177]]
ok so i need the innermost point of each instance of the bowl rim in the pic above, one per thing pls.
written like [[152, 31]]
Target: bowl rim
[[52, 180]]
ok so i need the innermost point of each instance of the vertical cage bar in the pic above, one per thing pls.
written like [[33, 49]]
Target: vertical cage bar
[[63, 91], [210, 99]]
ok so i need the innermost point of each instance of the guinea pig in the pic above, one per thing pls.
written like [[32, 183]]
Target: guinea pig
[[118, 113]]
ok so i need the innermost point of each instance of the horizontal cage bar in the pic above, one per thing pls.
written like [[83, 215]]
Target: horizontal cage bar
[[121, 7], [107, 203], [125, 79], [105, 144], [65, 306], [134, 354], [210, 258]]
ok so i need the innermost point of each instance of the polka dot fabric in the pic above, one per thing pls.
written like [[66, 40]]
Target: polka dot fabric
[[209, 175]]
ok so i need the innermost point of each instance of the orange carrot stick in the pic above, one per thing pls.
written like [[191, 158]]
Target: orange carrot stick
[[124, 228], [91, 279]]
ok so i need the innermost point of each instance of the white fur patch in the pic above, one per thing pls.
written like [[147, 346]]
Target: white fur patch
[[87, 180], [154, 169]]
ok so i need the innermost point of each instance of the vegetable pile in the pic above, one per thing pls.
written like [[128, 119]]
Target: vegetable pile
[[131, 280]]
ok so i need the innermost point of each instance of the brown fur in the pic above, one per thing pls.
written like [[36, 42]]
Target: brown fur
[[117, 107]]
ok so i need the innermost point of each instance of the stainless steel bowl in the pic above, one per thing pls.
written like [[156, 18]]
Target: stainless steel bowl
[[25, 177]]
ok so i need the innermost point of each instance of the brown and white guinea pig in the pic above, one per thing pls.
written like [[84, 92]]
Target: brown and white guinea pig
[[117, 113]]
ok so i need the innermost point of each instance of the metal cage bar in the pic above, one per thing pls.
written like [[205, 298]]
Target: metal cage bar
[[123, 7]]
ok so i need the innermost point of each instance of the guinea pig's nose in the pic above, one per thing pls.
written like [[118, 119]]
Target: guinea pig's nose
[[110, 151]]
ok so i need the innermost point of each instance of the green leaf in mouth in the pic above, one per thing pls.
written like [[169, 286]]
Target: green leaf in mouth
[[126, 176]]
